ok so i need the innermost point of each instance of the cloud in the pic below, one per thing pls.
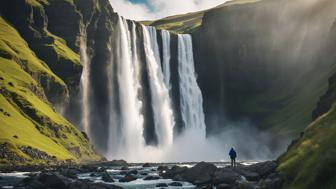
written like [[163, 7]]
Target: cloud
[[160, 8]]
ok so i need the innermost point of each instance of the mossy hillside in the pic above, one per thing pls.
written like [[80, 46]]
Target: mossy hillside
[[15, 46], [310, 162], [59, 45], [190, 22], [28, 115]]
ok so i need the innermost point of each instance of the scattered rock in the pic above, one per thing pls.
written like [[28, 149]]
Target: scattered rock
[[175, 184], [208, 186], [162, 168], [147, 165], [124, 168], [134, 172], [70, 173], [223, 186], [264, 168], [174, 172], [152, 177], [163, 185], [249, 175], [128, 178], [225, 176], [116, 163], [106, 177], [201, 173], [53, 180], [244, 185]]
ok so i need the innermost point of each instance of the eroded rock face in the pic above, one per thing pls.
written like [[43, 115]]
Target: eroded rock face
[[238, 63]]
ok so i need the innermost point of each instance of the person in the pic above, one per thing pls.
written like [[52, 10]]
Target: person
[[233, 156]]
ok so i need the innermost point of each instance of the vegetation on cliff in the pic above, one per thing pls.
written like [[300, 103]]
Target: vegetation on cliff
[[31, 130]]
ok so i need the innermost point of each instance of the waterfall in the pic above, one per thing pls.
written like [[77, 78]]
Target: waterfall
[[191, 96], [166, 57], [131, 119], [85, 81], [163, 113]]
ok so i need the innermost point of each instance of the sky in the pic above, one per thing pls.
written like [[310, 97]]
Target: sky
[[155, 9]]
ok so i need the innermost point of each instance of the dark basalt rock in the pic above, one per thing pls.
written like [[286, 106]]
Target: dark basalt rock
[[128, 178], [147, 165], [152, 178], [70, 173], [201, 173], [124, 168], [133, 172], [173, 172], [224, 186], [175, 184], [162, 168], [106, 177], [264, 168], [163, 185], [226, 176], [53, 180]]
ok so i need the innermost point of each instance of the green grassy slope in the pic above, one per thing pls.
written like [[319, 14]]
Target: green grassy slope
[[27, 119], [187, 23], [310, 162]]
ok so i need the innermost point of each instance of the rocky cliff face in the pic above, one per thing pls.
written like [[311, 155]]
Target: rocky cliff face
[[40, 70], [254, 60]]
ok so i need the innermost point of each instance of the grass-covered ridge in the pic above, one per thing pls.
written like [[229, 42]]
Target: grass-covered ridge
[[310, 162], [187, 23], [27, 119]]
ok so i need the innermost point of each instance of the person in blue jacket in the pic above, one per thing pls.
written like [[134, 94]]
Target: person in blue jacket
[[233, 156]]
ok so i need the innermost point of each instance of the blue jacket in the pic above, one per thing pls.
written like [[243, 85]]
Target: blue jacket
[[232, 153]]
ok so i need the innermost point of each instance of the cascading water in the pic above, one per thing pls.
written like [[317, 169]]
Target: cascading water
[[131, 119], [163, 113], [191, 96], [130, 71], [85, 81], [166, 57]]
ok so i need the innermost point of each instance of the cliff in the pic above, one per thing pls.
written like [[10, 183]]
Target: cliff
[[253, 61], [40, 68]]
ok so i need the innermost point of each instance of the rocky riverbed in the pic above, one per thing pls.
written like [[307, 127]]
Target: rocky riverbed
[[119, 174]]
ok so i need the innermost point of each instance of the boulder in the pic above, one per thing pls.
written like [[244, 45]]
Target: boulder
[[162, 168], [53, 180], [175, 184], [106, 177], [124, 168], [249, 175], [70, 173], [201, 173], [134, 172], [225, 176], [244, 185], [223, 186], [33, 182], [147, 165], [162, 185], [208, 186], [264, 168], [174, 172], [80, 184], [150, 177], [128, 178]]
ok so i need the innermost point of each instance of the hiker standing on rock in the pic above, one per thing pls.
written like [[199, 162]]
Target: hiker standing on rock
[[233, 156]]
